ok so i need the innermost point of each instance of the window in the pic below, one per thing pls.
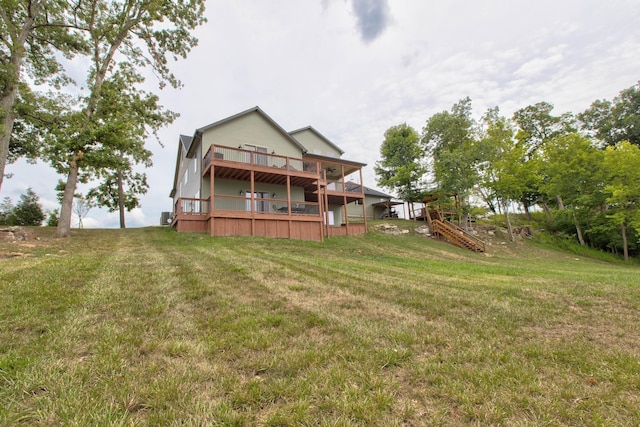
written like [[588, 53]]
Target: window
[[185, 179], [261, 201], [259, 159], [195, 166], [197, 202]]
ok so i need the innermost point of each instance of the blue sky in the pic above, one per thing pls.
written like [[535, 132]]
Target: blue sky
[[354, 68]]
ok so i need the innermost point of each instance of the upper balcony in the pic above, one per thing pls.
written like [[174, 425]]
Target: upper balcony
[[238, 164], [311, 173]]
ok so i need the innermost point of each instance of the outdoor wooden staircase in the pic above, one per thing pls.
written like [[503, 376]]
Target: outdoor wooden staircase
[[456, 235]]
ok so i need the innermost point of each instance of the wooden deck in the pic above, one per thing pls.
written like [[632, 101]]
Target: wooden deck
[[266, 225], [226, 215]]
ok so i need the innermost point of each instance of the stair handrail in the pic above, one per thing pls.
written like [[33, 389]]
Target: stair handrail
[[457, 235], [466, 233]]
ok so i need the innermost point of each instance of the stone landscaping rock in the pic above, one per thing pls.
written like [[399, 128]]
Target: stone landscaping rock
[[424, 230], [390, 229], [12, 234]]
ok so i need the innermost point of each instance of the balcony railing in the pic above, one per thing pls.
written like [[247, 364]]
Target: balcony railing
[[192, 206], [250, 157], [340, 187], [265, 206]]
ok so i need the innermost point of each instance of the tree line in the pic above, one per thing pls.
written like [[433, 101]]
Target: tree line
[[582, 170], [26, 212], [94, 131]]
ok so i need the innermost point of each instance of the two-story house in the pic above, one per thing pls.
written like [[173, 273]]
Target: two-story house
[[246, 176]]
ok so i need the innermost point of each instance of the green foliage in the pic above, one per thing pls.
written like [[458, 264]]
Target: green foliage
[[7, 216], [572, 167], [536, 125], [622, 164], [128, 114], [505, 169], [611, 122], [400, 168], [537, 158], [558, 240], [52, 219], [28, 211], [108, 194], [34, 34], [105, 133], [449, 137], [506, 172]]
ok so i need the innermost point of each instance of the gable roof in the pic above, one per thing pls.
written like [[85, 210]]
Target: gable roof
[[319, 135], [198, 134]]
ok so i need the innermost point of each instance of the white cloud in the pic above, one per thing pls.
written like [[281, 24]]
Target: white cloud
[[88, 222], [539, 65]]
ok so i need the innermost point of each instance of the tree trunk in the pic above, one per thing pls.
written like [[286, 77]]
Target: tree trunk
[[560, 203], [121, 200], [11, 81], [578, 229], [525, 206], [5, 133], [625, 244], [487, 199], [463, 209], [64, 222], [505, 208]]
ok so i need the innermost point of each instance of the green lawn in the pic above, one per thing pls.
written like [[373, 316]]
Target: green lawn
[[152, 327]]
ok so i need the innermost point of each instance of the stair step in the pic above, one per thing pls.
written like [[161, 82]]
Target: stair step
[[457, 236]]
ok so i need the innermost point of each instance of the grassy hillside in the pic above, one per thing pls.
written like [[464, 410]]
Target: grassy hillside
[[151, 327]]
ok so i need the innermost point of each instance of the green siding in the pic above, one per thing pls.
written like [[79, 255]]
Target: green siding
[[316, 145], [250, 129]]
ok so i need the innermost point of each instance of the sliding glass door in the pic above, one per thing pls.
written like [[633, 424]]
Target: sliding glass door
[[260, 201]]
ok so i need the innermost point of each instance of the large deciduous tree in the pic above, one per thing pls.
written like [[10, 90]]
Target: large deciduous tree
[[612, 122], [503, 169], [572, 168], [622, 165], [32, 32], [536, 125], [449, 137], [400, 167], [126, 114], [140, 34]]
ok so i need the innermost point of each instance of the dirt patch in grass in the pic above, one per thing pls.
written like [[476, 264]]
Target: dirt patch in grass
[[13, 254]]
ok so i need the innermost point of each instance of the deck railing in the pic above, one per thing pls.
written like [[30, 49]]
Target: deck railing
[[188, 206], [340, 187], [457, 235], [265, 206], [249, 157]]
